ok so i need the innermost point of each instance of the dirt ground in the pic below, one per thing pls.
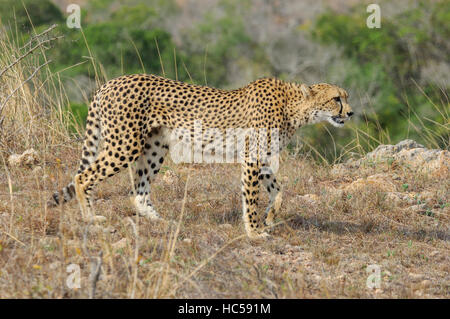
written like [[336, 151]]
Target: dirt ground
[[334, 228]]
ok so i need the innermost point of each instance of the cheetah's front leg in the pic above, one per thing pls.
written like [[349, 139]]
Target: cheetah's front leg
[[250, 194]]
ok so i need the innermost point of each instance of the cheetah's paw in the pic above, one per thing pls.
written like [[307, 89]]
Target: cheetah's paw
[[256, 236]]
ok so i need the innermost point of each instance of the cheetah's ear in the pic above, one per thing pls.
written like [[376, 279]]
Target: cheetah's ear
[[306, 91]]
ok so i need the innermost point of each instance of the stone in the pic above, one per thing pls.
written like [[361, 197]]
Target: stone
[[406, 153], [27, 158]]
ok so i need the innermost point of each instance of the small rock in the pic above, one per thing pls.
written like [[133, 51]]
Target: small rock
[[415, 155], [27, 158], [187, 240], [405, 153], [383, 152]]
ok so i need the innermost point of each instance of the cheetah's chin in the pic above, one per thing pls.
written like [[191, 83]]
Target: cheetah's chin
[[337, 122]]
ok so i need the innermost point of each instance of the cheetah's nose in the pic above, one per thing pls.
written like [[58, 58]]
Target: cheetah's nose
[[349, 114]]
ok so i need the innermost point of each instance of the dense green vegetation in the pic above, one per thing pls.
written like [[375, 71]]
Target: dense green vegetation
[[385, 69], [392, 58], [28, 13]]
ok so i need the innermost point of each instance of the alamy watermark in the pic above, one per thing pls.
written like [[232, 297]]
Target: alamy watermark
[[374, 19], [232, 145], [74, 19], [73, 280], [374, 279]]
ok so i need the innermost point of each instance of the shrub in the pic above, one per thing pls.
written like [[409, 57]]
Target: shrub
[[12, 12]]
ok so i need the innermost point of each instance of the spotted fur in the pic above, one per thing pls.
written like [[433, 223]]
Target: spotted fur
[[135, 116]]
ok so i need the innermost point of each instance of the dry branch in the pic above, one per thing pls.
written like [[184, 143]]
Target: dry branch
[[17, 88], [94, 276], [31, 50]]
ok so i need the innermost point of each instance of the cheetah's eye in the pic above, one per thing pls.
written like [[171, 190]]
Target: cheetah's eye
[[338, 100]]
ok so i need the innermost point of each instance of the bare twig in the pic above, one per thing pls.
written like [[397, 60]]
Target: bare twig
[[173, 241], [136, 256], [96, 264], [36, 36], [136, 235], [94, 276], [17, 88], [39, 44], [17, 240]]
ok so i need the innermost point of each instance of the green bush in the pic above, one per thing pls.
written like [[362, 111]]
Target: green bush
[[118, 49], [77, 116], [389, 60], [40, 12], [220, 41]]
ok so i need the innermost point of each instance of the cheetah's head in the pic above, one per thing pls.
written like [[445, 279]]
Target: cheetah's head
[[328, 103]]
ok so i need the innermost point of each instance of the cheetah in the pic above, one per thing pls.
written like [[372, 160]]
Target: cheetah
[[136, 116]]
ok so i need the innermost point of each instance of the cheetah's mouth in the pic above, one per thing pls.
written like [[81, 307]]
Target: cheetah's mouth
[[337, 121]]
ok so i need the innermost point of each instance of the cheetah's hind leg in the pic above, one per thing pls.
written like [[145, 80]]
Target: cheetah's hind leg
[[270, 183], [147, 168], [103, 167]]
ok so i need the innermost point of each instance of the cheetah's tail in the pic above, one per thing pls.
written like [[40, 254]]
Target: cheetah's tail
[[66, 194], [88, 156]]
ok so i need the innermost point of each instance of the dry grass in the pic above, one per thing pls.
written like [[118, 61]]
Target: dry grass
[[321, 248], [32, 98]]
